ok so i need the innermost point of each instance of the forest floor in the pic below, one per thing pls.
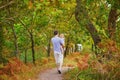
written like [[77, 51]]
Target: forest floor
[[52, 74]]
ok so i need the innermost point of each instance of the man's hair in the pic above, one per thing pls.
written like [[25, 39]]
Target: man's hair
[[55, 32]]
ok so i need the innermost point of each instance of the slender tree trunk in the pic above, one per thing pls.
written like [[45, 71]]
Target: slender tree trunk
[[32, 40], [12, 27], [112, 23], [48, 51], [25, 56], [32, 47], [1, 44], [66, 49], [15, 41], [75, 48]]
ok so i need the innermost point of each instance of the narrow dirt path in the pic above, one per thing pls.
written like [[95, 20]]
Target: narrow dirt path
[[52, 74]]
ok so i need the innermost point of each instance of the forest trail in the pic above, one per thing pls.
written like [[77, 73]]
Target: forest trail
[[52, 74]]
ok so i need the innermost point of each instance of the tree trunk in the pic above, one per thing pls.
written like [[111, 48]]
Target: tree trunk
[[3, 60], [92, 30], [1, 44], [75, 48], [112, 23], [66, 49], [15, 41], [32, 40], [25, 56], [89, 26], [32, 47], [48, 51]]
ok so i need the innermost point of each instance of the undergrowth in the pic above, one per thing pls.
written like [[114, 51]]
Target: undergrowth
[[103, 66], [17, 70]]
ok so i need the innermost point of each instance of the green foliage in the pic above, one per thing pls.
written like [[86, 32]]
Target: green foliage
[[42, 17]]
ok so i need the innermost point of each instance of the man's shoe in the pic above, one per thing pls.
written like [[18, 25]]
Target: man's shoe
[[59, 71]]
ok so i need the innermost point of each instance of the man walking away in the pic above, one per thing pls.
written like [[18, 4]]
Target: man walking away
[[57, 43]]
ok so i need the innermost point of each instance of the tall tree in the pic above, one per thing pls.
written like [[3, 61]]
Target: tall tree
[[15, 41], [80, 10], [112, 18], [84, 11]]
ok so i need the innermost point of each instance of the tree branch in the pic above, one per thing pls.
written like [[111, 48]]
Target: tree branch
[[11, 2], [71, 15], [24, 25], [10, 18]]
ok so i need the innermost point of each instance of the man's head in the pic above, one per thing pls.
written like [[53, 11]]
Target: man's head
[[55, 32]]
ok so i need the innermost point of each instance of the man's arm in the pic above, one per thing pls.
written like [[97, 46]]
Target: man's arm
[[62, 44]]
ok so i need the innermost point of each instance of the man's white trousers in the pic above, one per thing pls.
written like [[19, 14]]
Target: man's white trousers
[[59, 59]]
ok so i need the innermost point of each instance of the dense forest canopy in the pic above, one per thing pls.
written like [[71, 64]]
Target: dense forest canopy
[[27, 26], [30, 23]]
